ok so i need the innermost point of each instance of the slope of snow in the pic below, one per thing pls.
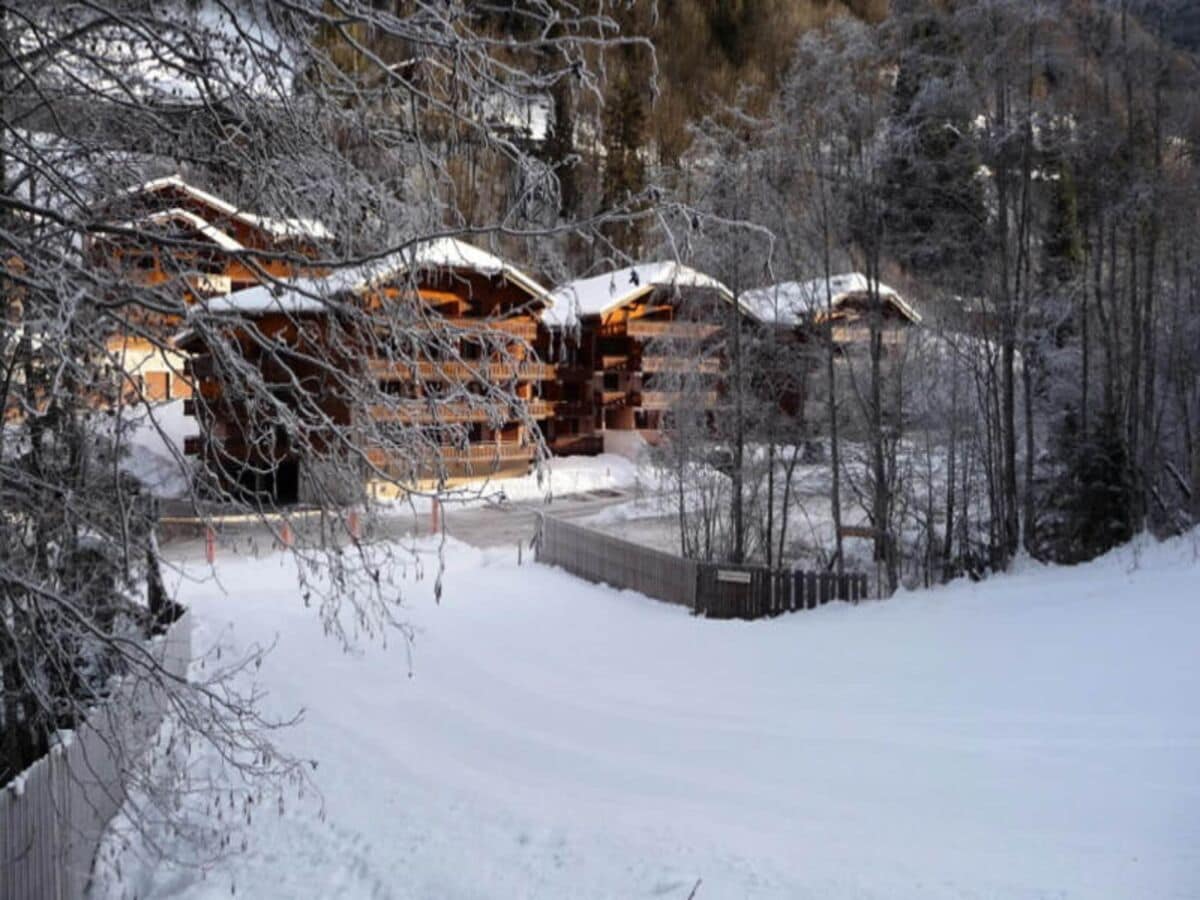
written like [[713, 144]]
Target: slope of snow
[[1036, 735]]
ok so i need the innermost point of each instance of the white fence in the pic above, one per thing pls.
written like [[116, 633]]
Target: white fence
[[53, 816]]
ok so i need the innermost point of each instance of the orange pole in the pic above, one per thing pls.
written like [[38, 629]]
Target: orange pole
[[210, 545], [354, 526], [437, 509], [285, 533]]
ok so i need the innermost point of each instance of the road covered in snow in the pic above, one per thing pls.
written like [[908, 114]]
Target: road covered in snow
[[1036, 735]]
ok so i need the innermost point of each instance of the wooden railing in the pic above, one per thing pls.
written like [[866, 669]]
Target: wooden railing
[[643, 329], [520, 328], [475, 453], [607, 397], [461, 371], [680, 364], [457, 411], [667, 399]]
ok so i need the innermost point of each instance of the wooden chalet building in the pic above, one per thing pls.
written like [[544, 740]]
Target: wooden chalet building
[[801, 311], [619, 338], [191, 245], [805, 306], [416, 369]]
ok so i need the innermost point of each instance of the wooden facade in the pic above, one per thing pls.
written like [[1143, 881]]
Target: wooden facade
[[188, 245], [843, 304], [623, 339], [430, 335]]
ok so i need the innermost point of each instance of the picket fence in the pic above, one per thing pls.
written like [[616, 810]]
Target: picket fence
[[53, 814]]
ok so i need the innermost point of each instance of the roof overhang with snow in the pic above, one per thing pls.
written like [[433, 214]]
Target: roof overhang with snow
[[600, 295], [313, 295], [280, 228], [189, 219], [792, 303]]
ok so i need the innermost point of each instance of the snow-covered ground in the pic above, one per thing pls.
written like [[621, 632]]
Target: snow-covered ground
[[1035, 735]]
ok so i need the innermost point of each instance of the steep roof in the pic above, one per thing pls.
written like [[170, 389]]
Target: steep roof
[[190, 219], [602, 294], [276, 227], [311, 294], [790, 303]]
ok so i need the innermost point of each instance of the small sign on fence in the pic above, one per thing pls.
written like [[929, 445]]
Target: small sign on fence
[[733, 576]]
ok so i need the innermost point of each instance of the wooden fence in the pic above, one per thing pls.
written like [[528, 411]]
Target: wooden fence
[[709, 589], [605, 559], [53, 815], [752, 592]]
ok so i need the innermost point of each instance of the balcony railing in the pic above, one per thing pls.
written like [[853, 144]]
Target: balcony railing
[[667, 399], [610, 397], [461, 371], [518, 328], [457, 411], [680, 364], [475, 453], [640, 328]]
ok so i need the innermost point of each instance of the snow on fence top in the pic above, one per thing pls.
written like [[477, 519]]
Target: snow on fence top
[[791, 303], [311, 294]]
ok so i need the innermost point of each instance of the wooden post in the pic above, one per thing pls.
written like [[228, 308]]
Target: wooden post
[[210, 545]]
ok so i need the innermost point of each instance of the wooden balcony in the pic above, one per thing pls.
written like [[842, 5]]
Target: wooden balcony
[[641, 328], [461, 371], [861, 334], [680, 364], [667, 399], [608, 398], [486, 454], [574, 408], [524, 329], [454, 412]]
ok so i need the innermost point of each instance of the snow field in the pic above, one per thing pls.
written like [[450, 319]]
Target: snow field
[[1035, 735]]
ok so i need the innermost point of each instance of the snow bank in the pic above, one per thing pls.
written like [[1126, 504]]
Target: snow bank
[[1036, 735]]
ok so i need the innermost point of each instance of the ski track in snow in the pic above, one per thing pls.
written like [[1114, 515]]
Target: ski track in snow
[[1032, 736]]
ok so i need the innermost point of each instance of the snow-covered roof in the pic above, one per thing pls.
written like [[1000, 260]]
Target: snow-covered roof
[[311, 294], [207, 229], [276, 227], [602, 294], [790, 303]]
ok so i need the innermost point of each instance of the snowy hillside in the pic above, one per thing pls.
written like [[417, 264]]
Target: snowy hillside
[[1037, 735]]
